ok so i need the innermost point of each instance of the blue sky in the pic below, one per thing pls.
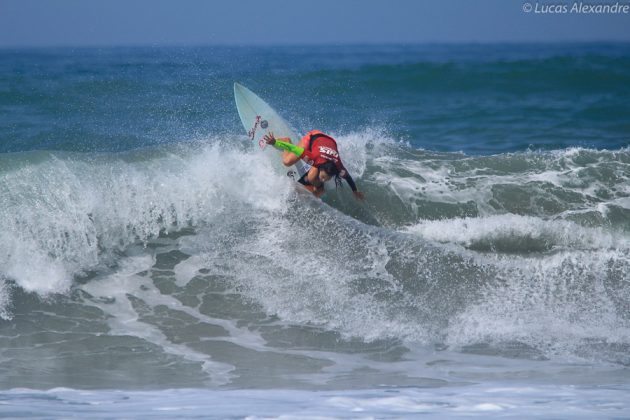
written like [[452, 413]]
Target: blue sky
[[248, 22]]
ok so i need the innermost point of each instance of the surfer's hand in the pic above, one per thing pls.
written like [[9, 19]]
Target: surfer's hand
[[269, 138], [359, 195]]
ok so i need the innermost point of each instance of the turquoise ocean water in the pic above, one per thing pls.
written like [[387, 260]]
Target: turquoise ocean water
[[154, 262]]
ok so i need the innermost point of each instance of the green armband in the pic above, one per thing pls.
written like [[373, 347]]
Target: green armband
[[283, 145]]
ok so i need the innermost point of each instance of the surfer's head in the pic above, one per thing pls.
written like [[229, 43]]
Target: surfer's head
[[327, 171]]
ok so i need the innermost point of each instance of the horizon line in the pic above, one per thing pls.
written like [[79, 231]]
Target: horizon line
[[312, 44]]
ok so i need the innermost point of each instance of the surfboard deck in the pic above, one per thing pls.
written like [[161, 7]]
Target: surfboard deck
[[259, 119]]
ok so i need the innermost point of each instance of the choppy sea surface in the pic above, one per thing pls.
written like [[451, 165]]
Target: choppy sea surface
[[155, 263]]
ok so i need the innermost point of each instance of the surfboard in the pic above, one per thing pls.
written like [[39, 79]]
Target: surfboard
[[259, 118]]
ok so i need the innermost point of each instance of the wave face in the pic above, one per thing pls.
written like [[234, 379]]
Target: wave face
[[177, 260], [526, 250]]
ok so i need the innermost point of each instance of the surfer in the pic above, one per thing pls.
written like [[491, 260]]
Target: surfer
[[320, 151]]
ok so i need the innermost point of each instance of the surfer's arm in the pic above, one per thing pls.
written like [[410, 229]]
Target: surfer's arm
[[350, 181], [283, 145], [358, 194], [286, 146]]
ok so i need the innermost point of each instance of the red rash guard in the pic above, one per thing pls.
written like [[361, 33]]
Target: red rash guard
[[320, 148]]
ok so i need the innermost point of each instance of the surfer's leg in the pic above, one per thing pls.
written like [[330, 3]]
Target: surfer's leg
[[312, 178], [303, 179], [288, 158], [318, 191]]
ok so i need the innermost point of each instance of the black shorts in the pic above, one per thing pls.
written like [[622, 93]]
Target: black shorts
[[303, 179]]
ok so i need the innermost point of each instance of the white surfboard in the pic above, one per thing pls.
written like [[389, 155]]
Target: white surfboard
[[259, 118]]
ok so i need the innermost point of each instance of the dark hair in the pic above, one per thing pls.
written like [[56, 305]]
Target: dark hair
[[331, 169]]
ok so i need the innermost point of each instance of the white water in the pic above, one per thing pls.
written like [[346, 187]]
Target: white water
[[255, 271], [497, 400]]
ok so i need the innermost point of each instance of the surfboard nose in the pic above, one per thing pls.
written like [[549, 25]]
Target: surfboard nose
[[242, 90], [239, 88]]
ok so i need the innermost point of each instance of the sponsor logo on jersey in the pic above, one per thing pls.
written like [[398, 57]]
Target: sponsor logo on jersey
[[327, 151]]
